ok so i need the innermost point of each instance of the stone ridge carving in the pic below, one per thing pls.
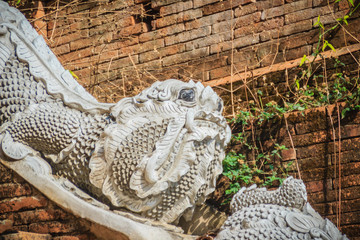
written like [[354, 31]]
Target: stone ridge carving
[[280, 214], [156, 154]]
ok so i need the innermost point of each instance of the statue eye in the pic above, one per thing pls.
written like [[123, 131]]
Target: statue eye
[[219, 106], [187, 95]]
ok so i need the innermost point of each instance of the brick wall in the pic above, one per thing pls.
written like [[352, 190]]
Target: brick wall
[[118, 47], [318, 150]]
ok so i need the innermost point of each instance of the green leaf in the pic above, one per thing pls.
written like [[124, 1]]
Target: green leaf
[[344, 111], [317, 22], [325, 45], [304, 58], [351, 2], [18, 2], [73, 74], [331, 46]]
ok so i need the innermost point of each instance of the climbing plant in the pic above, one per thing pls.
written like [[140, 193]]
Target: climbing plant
[[313, 86]]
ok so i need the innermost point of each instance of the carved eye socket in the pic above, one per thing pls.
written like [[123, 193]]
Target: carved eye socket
[[187, 95]]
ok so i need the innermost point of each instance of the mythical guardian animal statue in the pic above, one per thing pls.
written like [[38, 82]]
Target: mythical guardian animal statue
[[280, 214], [156, 154]]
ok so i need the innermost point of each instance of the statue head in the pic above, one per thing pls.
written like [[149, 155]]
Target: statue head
[[165, 152]]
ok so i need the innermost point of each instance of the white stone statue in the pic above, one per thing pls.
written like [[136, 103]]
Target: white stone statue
[[157, 154]]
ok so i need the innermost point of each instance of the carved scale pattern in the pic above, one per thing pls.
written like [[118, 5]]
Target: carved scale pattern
[[49, 129], [139, 143], [48, 126], [19, 89], [75, 166], [292, 194]]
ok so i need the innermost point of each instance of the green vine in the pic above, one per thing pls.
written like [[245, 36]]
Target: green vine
[[312, 87]]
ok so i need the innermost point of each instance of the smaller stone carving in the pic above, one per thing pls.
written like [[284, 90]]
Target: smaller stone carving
[[280, 214]]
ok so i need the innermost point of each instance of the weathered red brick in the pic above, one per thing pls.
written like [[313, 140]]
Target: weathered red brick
[[306, 14], [318, 186], [5, 225], [223, 5], [131, 30], [209, 20], [178, 18], [40, 215], [187, 35], [352, 231], [63, 39], [346, 218], [208, 40], [119, 63], [5, 174], [110, 7], [66, 238], [330, 18], [81, 43], [295, 53], [348, 181], [286, 30], [176, 8], [220, 72], [286, 8], [26, 236], [274, 23], [200, 3], [237, 43], [9, 190], [183, 57], [347, 131], [140, 48], [160, 33], [62, 49], [298, 40], [161, 52], [158, 3], [78, 54], [22, 203], [245, 10], [236, 23], [289, 154], [52, 227]]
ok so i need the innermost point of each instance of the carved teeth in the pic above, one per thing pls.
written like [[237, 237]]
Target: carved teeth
[[209, 116]]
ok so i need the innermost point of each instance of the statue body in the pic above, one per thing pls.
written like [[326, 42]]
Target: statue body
[[156, 154]]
